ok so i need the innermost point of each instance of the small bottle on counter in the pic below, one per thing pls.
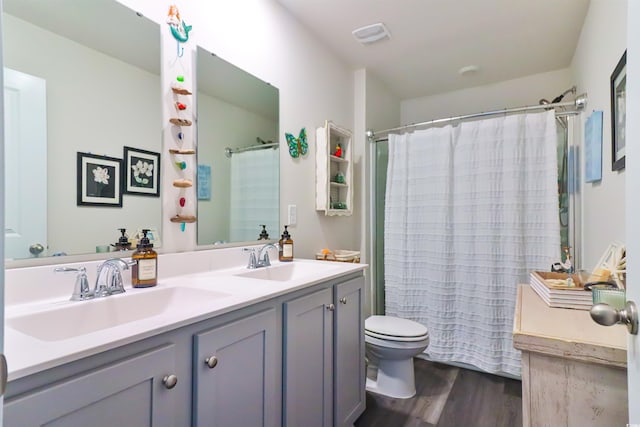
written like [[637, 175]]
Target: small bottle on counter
[[144, 272], [285, 253]]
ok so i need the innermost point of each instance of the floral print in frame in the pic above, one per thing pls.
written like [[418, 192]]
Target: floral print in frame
[[141, 172], [98, 180]]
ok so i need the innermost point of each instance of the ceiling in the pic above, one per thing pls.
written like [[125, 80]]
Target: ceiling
[[432, 39]]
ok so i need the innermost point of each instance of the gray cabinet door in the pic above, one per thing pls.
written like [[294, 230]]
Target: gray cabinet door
[[308, 360], [126, 393], [238, 387], [349, 370]]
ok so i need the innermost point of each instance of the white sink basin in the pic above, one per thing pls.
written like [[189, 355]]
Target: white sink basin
[[284, 272], [84, 317]]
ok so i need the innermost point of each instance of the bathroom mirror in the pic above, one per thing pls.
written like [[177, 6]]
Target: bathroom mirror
[[80, 77], [238, 180]]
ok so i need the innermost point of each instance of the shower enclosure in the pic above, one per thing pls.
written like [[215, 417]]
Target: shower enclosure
[[568, 201]]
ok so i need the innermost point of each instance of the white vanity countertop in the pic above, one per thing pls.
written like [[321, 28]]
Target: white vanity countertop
[[209, 294]]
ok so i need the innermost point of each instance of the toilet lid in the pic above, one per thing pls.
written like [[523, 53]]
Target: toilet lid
[[394, 327], [389, 338]]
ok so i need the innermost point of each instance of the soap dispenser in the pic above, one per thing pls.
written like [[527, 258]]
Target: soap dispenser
[[285, 252], [263, 234], [144, 272], [123, 243]]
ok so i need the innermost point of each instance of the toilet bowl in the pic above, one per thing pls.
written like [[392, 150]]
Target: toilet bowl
[[393, 342]]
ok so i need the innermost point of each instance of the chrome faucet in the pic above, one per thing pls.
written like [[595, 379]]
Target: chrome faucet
[[109, 280], [81, 289], [263, 255], [260, 257]]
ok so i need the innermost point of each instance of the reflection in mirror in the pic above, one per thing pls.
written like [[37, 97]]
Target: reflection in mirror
[[81, 77], [238, 156]]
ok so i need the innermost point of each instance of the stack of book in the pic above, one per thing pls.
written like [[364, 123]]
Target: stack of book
[[554, 290]]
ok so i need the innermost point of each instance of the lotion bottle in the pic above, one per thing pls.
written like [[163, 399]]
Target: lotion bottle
[[144, 272], [286, 246]]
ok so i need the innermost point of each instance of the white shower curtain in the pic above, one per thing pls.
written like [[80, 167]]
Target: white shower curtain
[[469, 211], [254, 194]]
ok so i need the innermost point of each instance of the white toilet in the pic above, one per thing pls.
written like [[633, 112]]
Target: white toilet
[[393, 342]]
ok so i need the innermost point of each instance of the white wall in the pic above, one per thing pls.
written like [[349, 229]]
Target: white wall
[[221, 125], [510, 93], [383, 107], [76, 77], [601, 44], [378, 109], [262, 38]]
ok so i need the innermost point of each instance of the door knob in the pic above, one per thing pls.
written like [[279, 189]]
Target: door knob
[[331, 307], [606, 315], [36, 249]]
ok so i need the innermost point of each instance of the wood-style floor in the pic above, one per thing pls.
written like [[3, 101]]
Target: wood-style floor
[[448, 396]]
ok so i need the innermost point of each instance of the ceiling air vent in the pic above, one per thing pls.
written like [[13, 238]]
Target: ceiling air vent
[[371, 33]]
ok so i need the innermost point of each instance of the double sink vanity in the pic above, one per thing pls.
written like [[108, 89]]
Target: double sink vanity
[[214, 344]]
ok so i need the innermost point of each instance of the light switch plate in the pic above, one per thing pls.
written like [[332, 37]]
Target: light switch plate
[[292, 215]]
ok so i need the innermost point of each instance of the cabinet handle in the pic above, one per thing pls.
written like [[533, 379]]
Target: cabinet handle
[[343, 300], [170, 381], [211, 362], [331, 307], [3, 374]]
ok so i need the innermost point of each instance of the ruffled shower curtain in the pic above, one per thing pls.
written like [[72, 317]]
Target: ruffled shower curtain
[[469, 211], [255, 183]]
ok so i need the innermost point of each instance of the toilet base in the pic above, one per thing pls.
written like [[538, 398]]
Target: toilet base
[[395, 379]]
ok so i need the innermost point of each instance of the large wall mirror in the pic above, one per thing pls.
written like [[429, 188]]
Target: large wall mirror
[[80, 76], [238, 156]]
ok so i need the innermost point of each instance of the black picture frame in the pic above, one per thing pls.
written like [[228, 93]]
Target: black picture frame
[[618, 113], [141, 172], [99, 180]]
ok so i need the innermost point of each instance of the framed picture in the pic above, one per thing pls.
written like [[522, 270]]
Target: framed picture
[[204, 182], [593, 147], [99, 180], [618, 113], [141, 172]]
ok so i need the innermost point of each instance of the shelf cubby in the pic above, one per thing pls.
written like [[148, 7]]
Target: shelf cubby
[[334, 195]]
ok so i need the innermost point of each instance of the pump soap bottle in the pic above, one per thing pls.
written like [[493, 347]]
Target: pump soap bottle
[[264, 235], [144, 272], [286, 246], [123, 243]]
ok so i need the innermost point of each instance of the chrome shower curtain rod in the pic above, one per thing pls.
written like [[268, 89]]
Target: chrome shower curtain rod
[[230, 151], [579, 103]]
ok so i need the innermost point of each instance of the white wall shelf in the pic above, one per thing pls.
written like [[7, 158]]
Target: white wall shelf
[[333, 197]]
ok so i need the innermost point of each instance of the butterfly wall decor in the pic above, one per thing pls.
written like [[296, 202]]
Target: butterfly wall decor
[[297, 146]]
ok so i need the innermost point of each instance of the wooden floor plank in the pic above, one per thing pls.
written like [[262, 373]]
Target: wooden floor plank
[[483, 400], [433, 384], [448, 397]]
